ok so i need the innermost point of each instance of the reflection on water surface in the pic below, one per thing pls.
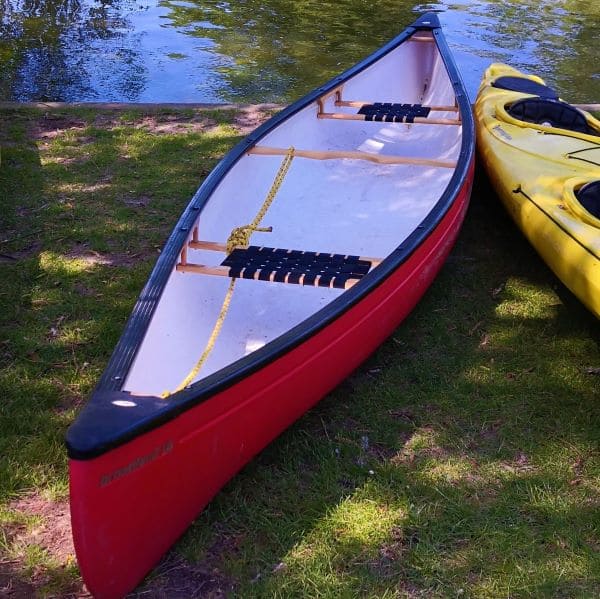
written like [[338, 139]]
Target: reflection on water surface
[[270, 50]]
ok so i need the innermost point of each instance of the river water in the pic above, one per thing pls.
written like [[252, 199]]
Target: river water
[[271, 50]]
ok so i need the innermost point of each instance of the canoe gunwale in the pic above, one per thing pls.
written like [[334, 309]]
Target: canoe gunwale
[[93, 435]]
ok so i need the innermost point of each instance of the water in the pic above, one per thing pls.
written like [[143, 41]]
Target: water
[[271, 50]]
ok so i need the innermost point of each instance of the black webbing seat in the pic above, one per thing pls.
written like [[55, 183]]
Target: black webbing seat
[[525, 86], [552, 113], [393, 113], [296, 266]]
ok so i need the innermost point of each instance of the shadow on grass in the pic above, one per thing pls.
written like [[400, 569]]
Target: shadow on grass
[[83, 213], [461, 459]]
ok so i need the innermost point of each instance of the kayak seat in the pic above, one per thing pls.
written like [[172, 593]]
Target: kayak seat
[[552, 113], [393, 113], [589, 197], [525, 86], [296, 266]]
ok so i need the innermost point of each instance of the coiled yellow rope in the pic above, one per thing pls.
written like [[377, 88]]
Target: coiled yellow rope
[[239, 237]]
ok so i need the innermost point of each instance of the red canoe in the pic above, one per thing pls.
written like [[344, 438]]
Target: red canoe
[[301, 252]]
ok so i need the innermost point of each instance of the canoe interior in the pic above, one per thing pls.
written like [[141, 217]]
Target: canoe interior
[[338, 205]]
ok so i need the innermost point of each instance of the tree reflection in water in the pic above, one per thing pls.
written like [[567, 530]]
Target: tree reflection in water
[[270, 50], [67, 50]]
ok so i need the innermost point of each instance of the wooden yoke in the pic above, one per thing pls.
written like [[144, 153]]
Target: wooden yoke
[[353, 155]]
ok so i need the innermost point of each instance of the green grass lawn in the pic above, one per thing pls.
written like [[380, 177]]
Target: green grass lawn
[[462, 460]]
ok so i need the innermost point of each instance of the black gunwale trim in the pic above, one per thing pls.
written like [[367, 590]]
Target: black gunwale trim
[[83, 445]]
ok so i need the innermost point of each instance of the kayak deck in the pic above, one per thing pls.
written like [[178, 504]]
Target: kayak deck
[[538, 169]]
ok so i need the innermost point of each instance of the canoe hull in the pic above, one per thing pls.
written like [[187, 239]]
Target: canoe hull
[[181, 465]]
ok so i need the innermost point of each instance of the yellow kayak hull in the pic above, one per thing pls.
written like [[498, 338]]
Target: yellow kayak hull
[[537, 170]]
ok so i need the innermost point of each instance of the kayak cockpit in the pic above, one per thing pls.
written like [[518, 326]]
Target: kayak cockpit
[[552, 113]]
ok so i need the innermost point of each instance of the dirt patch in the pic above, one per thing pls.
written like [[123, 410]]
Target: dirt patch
[[50, 126], [520, 464], [250, 117], [177, 578], [390, 556], [85, 291], [92, 258], [12, 586], [172, 124], [85, 254], [245, 121], [139, 202], [420, 445], [54, 530], [28, 251]]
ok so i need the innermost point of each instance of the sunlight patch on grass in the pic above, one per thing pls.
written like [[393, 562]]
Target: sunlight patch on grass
[[354, 523], [524, 300], [461, 459], [360, 535], [54, 264], [83, 188], [451, 471]]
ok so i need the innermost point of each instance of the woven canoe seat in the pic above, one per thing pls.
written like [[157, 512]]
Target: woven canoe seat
[[394, 113], [296, 266]]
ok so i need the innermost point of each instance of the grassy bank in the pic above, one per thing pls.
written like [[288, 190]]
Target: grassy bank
[[462, 459]]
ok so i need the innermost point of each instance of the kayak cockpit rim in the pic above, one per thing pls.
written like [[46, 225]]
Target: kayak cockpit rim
[[83, 445]]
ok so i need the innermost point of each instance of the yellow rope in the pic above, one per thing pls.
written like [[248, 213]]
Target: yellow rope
[[239, 237], [212, 339]]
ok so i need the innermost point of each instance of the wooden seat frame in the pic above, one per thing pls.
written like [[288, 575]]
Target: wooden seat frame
[[224, 271]]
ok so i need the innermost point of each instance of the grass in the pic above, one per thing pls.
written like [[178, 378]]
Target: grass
[[461, 460]]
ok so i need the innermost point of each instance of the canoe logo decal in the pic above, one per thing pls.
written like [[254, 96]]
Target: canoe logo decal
[[140, 462], [502, 133]]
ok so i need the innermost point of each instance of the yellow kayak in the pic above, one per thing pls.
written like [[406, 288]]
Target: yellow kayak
[[543, 157]]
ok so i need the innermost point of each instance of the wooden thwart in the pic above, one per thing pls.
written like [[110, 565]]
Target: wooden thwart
[[360, 104], [318, 269], [217, 246], [224, 271], [362, 117], [353, 155], [388, 112]]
